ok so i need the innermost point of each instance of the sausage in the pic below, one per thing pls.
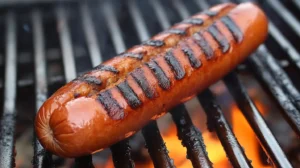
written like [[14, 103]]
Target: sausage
[[111, 71], [79, 119]]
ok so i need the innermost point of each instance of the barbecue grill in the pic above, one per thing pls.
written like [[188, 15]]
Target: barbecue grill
[[45, 44]]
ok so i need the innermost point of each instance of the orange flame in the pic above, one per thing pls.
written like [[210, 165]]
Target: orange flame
[[246, 136], [216, 153]]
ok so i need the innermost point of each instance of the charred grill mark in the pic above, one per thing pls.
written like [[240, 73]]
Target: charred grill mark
[[210, 13], [129, 95], [204, 45], [193, 21], [233, 28], [106, 68], [163, 80], [76, 95], [219, 37], [195, 63], [140, 79], [132, 55], [111, 106], [175, 31], [174, 65], [154, 43], [90, 80]]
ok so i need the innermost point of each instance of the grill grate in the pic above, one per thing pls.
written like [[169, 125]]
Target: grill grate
[[59, 54]]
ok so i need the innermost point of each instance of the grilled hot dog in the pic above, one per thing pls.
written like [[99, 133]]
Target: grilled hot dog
[[122, 95]]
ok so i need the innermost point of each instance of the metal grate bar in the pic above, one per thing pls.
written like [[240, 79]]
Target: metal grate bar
[[182, 10], [7, 155], [5, 3], [84, 162], [203, 160], [235, 152], [202, 4], [66, 44], [67, 54], [256, 121], [90, 34], [121, 150], [297, 3], [293, 55], [191, 138], [113, 26], [280, 75], [154, 141], [121, 153], [285, 14], [156, 146], [161, 15], [289, 110], [41, 158], [216, 119], [138, 21]]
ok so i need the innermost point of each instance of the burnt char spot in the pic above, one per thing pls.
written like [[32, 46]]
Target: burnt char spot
[[203, 44], [233, 28], [163, 80], [139, 77], [90, 80], [112, 107], [132, 55], [210, 13], [195, 63], [175, 31], [154, 43], [106, 68], [129, 95], [174, 65], [219, 37], [193, 21], [76, 95]]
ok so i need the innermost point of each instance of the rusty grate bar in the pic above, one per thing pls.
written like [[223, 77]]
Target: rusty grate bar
[[191, 138], [7, 155], [256, 121], [289, 110], [217, 120], [156, 146]]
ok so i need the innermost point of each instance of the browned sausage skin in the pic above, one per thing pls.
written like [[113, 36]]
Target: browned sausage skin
[[109, 72], [72, 127]]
